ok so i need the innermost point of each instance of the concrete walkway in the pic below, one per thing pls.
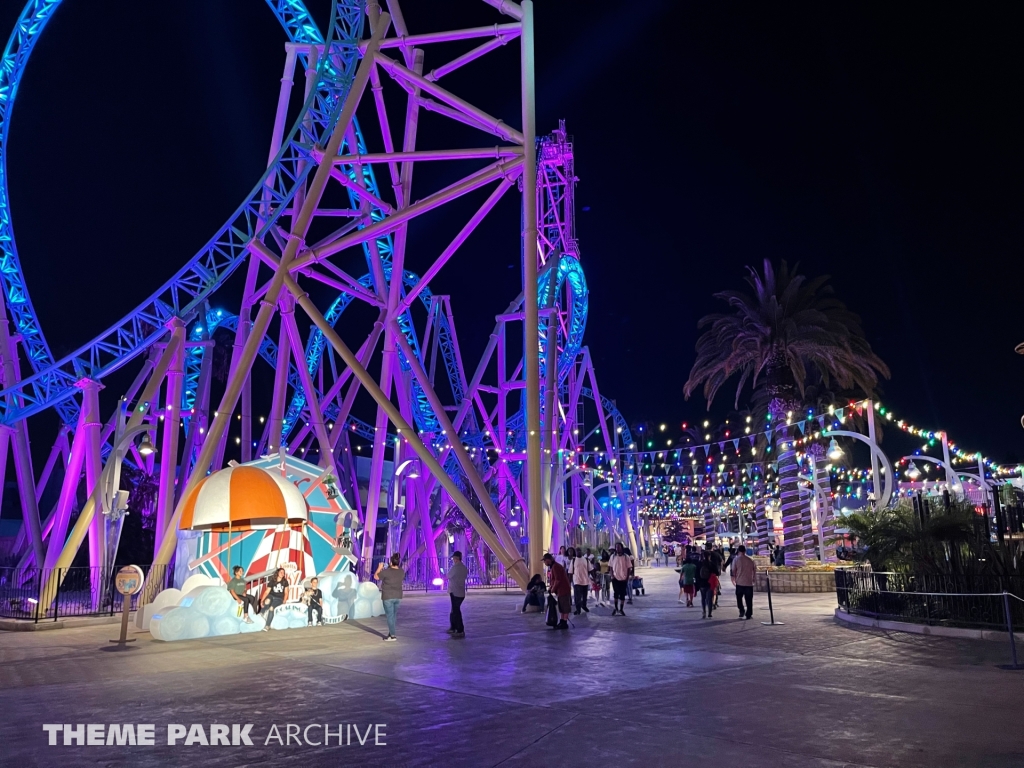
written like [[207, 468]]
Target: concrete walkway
[[659, 687]]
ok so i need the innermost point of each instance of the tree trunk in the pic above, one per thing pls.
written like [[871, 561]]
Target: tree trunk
[[791, 508], [760, 522], [783, 393]]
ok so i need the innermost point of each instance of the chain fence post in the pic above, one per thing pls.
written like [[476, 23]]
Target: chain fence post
[[56, 596], [1009, 629]]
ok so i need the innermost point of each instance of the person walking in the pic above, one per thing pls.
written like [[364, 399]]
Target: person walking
[[743, 573], [562, 558], [457, 592], [561, 589], [580, 572], [275, 589], [703, 583], [391, 579], [687, 577], [632, 573], [621, 565], [716, 559]]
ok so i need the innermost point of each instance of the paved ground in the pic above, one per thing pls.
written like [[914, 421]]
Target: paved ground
[[660, 687]]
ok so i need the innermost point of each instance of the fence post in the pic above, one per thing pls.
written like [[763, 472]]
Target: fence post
[[1009, 628], [771, 611], [39, 595], [56, 596]]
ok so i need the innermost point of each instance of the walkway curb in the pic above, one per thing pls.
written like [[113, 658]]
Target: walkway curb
[[842, 617], [27, 625]]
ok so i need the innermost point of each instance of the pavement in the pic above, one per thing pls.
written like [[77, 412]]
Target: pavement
[[658, 687]]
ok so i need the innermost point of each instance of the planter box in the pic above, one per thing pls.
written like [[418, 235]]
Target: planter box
[[794, 581]]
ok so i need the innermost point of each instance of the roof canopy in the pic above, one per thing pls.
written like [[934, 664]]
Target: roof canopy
[[243, 498]]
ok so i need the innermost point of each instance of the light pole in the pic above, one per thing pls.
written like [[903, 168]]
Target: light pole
[[951, 474], [109, 499], [877, 457], [396, 503]]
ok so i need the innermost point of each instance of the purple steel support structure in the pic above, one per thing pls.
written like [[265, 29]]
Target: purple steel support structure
[[299, 229], [490, 443], [171, 432], [22, 453], [513, 565], [93, 463], [69, 488]]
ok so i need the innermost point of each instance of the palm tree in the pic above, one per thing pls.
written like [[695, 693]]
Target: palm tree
[[781, 331]]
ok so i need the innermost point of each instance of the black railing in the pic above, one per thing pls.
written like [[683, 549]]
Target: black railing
[[970, 601], [49, 594], [429, 575]]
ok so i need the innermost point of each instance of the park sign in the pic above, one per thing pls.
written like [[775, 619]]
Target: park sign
[[129, 580]]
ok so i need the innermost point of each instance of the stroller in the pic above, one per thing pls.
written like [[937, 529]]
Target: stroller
[[636, 584]]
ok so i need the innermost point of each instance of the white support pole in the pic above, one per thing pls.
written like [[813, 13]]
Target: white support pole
[[876, 479], [947, 464]]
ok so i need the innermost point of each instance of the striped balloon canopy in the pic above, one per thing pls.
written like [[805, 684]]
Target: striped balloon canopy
[[243, 498]]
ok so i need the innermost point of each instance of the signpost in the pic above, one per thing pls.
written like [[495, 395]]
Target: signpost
[[128, 581]]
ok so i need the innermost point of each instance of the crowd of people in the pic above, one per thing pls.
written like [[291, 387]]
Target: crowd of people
[[700, 570], [565, 588]]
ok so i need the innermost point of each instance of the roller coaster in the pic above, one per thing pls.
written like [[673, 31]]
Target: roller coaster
[[495, 444]]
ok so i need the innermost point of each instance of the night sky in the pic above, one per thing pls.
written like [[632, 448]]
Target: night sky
[[877, 144]]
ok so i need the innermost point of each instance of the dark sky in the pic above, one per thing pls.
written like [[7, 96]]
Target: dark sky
[[879, 144]]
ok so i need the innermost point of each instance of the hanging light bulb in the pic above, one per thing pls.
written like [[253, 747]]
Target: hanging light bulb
[[146, 448], [834, 451], [913, 472]]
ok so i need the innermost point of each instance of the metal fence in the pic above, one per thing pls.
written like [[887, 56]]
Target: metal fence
[[49, 594], [979, 602]]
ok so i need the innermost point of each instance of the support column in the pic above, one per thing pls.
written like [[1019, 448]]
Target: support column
[[276, 434], [169, 446], [876, 480], [530, 310], [22, 450], [93, 463], [68, 492]]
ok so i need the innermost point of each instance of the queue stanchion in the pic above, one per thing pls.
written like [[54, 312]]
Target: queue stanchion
[[771, 610]]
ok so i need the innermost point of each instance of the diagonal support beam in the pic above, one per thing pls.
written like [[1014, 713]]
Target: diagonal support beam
[[512, 562], [300, 227], [456, 446]]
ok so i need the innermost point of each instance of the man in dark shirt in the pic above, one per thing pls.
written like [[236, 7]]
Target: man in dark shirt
[[315, 602], [236, 588], [561, 588], [457, 591]]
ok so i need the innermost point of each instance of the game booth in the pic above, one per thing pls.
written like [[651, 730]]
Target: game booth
[[276, 512]]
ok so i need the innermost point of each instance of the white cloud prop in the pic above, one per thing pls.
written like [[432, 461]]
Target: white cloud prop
[[203, 608]]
